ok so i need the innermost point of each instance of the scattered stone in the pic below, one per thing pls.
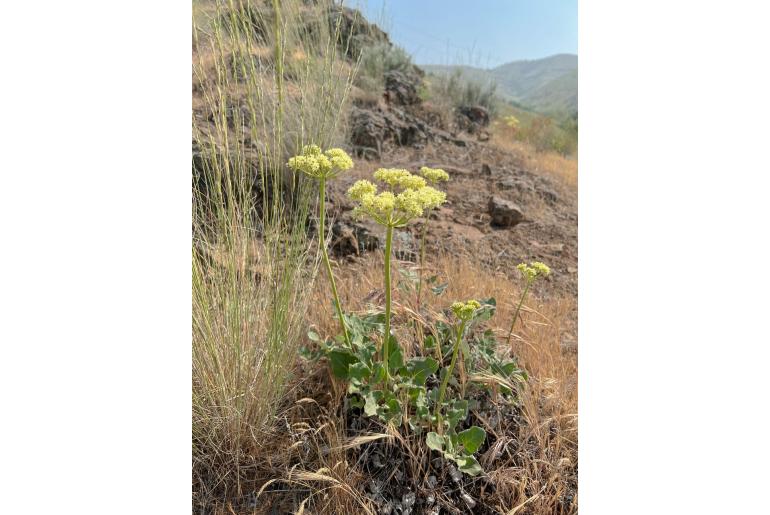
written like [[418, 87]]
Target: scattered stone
[[355, 32], [475, 114], [469, 501], [407, 501], [404, 246], [504, 213], [344, 241], [455, 474], [548, 195]]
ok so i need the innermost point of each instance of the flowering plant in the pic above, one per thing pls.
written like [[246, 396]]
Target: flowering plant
[[407, 196], [323, 166], [420, 392], [530, 273]]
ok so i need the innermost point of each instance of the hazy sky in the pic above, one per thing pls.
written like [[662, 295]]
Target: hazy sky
[[482, 33]]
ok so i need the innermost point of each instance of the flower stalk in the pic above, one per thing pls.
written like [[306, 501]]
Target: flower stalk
[[464, 311], [531, 273], [322, 166], [325, 253], [442, 389], [388, 300]]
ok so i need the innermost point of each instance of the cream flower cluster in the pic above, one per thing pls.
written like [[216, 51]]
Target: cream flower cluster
[[434, 175], [390, 208], [534, 270], [321, 165], [465, 310]]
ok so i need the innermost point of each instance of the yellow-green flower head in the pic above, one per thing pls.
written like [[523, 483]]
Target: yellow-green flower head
[[409, 202], [431, 198], [311, 150], [361, 188], [391, 176], [390, 209], [379, 207], [413, 182], [542, 268], [324, 166], [511, 121], [434, 175], [340, 159], [465, 310], [314, 163], [534, 270], [305, 164]]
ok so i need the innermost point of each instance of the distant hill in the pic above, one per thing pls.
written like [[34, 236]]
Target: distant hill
[[547, 85]]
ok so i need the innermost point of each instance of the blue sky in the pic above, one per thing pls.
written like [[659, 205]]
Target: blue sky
[[483, 33]]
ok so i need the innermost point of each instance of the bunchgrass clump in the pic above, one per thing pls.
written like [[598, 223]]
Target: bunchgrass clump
[[267, 80]]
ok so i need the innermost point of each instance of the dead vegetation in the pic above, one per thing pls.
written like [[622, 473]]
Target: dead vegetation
[[319, 459]]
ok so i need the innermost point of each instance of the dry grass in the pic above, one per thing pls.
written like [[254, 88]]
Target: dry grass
[[552, 164], [309, 463], [544, 468]]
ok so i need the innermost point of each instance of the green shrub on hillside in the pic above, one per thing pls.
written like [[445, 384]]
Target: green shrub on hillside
[[376, 61], [456, 90]]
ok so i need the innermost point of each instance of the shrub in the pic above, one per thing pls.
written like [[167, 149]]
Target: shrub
[[377, 60], [456, 90]]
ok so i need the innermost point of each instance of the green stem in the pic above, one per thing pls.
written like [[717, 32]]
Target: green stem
[[386, 341], [444, 383], [516, 313], [422, 259], [322, 244]]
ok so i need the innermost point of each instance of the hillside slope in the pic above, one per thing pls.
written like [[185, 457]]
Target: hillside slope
[[547, 85]]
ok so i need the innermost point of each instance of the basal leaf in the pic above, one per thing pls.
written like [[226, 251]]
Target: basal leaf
[[420, 368], [469, 465], [472, 438], [434, 441], [340, 360], [370, 406]]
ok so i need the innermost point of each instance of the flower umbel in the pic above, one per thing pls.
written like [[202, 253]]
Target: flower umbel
[[434, 175], [321, 165], [530, 272], [394, 209], [534, 270], [465, 310]]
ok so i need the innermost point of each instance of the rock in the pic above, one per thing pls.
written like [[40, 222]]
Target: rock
[[372, 130], [401, 88], [404, 246], [368, 236], [353, 238], [469, 501], [355, 32], [548, 195], [477, 114], [344, 241], [504, 212]]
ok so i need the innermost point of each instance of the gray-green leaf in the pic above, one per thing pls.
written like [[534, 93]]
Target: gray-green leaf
[[434, 441], [472, 438]]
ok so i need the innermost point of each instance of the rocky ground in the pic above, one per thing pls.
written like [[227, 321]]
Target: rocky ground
[[498, 211]]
